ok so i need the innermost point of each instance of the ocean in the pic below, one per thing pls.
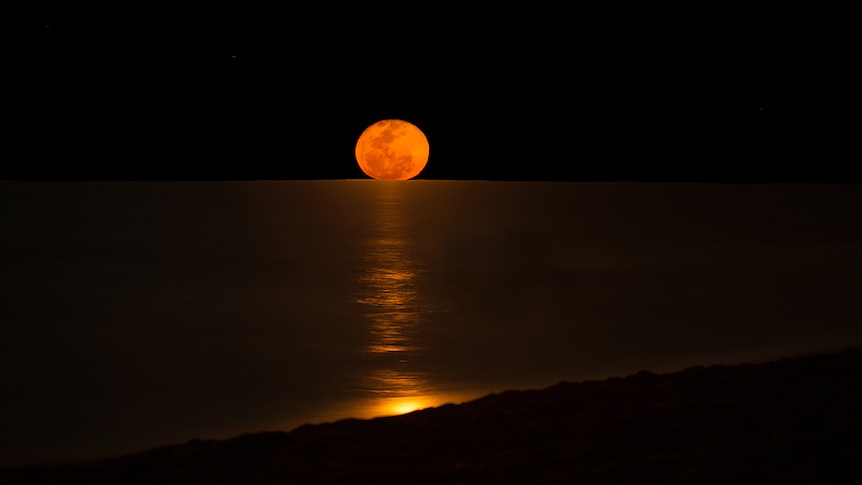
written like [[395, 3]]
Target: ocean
[[141, 314]]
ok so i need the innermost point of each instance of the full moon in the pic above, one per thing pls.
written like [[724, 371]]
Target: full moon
[[392, 150]]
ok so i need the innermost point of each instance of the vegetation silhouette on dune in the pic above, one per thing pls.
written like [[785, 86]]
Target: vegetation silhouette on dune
[[794, 420]]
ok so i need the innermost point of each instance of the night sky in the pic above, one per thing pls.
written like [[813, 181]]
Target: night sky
[[735, 93]]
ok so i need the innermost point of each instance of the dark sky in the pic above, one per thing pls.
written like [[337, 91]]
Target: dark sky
[[735, 93]]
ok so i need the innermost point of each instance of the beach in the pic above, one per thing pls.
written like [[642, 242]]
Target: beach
[[790, 420]]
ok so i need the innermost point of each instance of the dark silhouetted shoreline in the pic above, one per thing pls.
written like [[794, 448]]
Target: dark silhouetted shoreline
[[793, 420]]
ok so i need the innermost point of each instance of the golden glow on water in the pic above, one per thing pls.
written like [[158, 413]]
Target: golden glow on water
[[391, 300], [406, 406], [387, 289]]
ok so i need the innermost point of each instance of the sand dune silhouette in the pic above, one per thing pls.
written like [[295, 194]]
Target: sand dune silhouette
[[793, 420]]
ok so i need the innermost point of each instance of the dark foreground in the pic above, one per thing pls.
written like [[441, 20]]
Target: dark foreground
[[796, 420]]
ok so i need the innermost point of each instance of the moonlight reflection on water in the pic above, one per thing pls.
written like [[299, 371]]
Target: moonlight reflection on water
[[388, 289], [156, 312]]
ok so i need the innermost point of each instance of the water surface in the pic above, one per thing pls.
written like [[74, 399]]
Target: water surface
[[142, 314]]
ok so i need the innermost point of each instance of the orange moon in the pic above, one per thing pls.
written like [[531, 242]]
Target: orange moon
[[392, 150]]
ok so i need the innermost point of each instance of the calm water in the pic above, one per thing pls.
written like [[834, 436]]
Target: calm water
[[140, 314]]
